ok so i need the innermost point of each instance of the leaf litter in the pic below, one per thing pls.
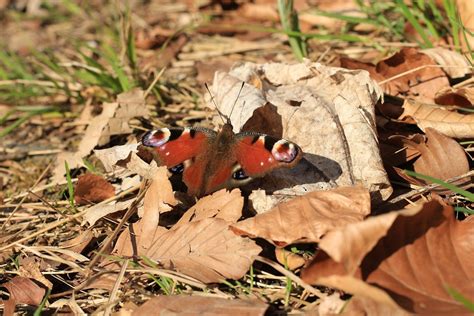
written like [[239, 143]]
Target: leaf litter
[[130, 241]]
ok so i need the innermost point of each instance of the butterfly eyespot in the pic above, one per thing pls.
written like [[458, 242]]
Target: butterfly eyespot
[[284, 151], [178, 169], [239, 174], [156, 138]]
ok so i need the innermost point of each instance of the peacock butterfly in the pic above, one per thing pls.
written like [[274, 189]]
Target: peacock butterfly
[[210, 160]]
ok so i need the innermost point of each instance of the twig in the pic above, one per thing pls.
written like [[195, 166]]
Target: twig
[[113, 295], [291, 275], [428, 187]]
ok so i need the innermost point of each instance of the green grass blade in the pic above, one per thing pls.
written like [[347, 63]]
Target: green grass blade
[[405, 10], [39, 310], [70, 186], [461, 298], [289, 22], [112, 58], [449, 186]]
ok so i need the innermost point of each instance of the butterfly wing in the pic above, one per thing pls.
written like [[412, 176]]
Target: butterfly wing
[[258, 154], [173, 146]]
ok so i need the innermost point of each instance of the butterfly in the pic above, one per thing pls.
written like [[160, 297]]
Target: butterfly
[[210, 160]]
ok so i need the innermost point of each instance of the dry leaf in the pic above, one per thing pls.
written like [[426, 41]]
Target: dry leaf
[[313, 103], [440, 156], [200, 305], [385, 258], [466, 13], [453, 63], [463, 96], [112, 121], [451, 123], [205, 250], [400, 77], [96, 212], [307, 218], [30, 268], [22, 291], [223, 204], [288, 259], [92, 188], [159, 198]]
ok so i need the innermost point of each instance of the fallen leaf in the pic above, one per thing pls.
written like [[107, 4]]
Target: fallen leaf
[[466, 14], [96, 212], [30, 268], [310, 102], [200, 305], [205, 250], [440, 156], [288, 259], [112, 121], [159, 198], [385, 258], [22, 291], [223, 204], [454, 64], [307, 218], [407, 73], [462, 96], [92, 188], [450, 123]]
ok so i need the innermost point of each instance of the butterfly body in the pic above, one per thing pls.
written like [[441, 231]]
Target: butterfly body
[[211, 160]]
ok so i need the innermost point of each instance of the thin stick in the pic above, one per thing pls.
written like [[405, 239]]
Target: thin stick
[[113, 294], [428, 188], [158, 76], [291, 275]]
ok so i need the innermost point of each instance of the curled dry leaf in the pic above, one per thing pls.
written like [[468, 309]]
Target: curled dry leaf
[[451, 123], [112, 121], [96, 212], [453, 63], [310, 102], [440, 156], [385, 258], [92, 188], [462, 96], [307, 218], [22, 291], [290, 260], [223, 204], [200, 305], [406, 73]]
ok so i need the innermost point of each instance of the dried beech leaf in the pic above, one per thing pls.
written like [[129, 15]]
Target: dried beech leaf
[[96, 212], [307, 218], [223, 204], [159, 198], [288, 259], [453, 63], [112, 121], [450, 123], [385, 258], [440, 156], [466, 13], [22, 291], [200, 305], [310, 102], [206, 250], [463, 96], [92, 188], [404, 74]]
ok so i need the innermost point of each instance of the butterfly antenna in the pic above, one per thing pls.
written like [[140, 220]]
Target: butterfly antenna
[[237, 99], [221, 115]]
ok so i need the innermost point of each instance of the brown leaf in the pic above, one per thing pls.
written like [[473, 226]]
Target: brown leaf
[[404, 258], [463, 96], [440, 156], [92, 188], [451, 123], [206, 250], [22, 291], [307, 218], [223, 204], [403, 79], [466, 13], [290, 260], [200, 305], [453, 63]]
